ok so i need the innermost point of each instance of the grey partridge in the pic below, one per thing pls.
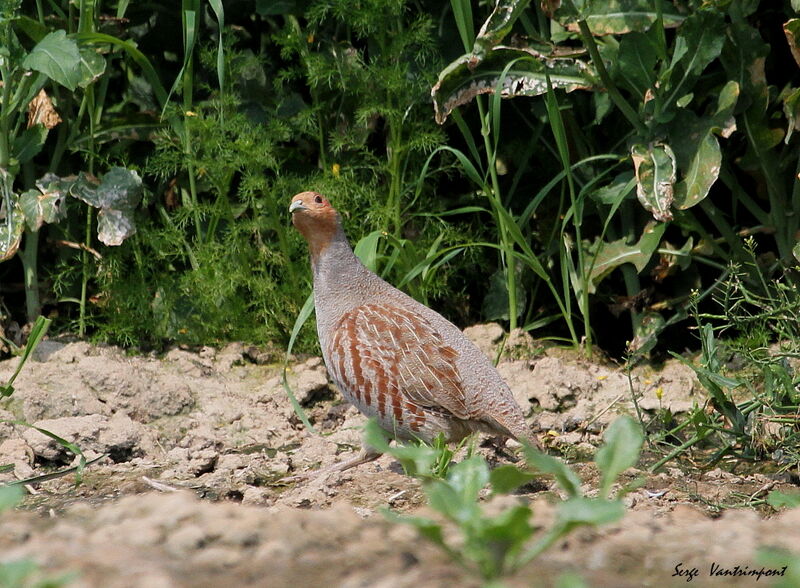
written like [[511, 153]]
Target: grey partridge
[[392, 357]]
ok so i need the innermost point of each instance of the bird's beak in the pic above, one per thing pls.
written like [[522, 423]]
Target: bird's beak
[[297, 205]]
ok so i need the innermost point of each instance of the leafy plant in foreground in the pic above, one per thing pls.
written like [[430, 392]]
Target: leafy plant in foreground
[[496, 545]]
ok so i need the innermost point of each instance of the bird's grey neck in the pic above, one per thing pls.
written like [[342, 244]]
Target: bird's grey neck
[[336, 256]]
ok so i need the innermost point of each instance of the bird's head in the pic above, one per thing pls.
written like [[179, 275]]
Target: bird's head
[[316, 220]]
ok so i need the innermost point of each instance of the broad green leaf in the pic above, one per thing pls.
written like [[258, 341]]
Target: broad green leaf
[[139, 57], [29, 143], [116, 196], [456, 498], [699, 41], [608, 256], [777, 499], [636, 62], [498, 25], [10, 496], [566, 478], [367, 249], [520, 72], [615, 17], [588, 511], [655, 169], [703, 171], [120, 189], [469, 477], [743, 60], [58, 58], [507, 478], [93, 65], [495, 303], [622, 444], [42, 208]]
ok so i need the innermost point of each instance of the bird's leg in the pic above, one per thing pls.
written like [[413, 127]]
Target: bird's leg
[[366, 455]]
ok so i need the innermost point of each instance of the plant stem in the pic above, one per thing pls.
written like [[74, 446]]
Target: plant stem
[[620, 102], [28, 256], [493, 193]]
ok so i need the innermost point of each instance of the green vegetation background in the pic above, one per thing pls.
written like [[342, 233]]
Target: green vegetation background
[[645, 163]]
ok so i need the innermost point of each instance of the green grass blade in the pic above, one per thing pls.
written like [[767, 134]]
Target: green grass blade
[[302, 317]]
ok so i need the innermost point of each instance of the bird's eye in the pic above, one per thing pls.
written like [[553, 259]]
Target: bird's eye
[[318, 199]]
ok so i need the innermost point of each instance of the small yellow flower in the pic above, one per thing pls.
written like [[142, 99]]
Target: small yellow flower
[[336, 169], [183, 331], [310, 38], [552, 433], [190, 113], [601, 378], [659, 392]]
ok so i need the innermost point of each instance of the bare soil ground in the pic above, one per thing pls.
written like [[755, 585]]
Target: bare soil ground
[[196, 443]]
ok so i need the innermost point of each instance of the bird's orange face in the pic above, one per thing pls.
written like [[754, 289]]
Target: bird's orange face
[[315, 218], [309, 202]]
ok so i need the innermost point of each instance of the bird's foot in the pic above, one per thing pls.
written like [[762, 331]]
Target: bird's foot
[[364, 456]]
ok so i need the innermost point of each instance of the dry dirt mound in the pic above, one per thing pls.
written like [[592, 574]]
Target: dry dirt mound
[[212, 425]]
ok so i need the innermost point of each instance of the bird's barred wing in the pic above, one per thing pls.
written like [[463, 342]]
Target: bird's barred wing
[[391, 356]]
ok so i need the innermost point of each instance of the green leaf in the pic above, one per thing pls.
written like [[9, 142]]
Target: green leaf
[[29, 143], [619, 188], [588, 511], [777, 499], [507, 478], [11, 229], [498, 25], [615, 17], [469, 477], [116, 196], [701, 174], [566, 478], [699, 41], [608, 256], [38, 331], [58, 58], [623, 442], [655, 169], [44, 205], [520, 72], [649, 325], [636, 62], [367, 249], [92, 66], [10, 496]]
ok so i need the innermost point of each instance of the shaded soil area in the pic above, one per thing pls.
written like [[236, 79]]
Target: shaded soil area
[[196, 443]]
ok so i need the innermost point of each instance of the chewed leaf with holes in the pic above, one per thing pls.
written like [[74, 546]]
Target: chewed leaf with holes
[[655, 178], [45, 205], [616, 17], [117, 195], [12, 226], [520, 72], [498, 25]]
